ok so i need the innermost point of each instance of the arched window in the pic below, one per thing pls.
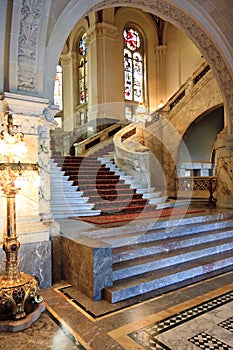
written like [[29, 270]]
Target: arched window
[[58, 88], [83, 76], [133, 65]]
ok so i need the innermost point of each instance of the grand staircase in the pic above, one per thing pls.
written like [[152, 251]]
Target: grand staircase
[[110, 191]]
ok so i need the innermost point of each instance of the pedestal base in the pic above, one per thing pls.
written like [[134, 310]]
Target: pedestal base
[[19, 296], [20, 325]]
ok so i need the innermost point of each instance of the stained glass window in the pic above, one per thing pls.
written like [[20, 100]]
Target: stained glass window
[[58, 88], [133, 65], [83, 76]]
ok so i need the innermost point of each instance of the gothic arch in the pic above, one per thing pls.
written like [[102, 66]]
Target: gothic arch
[[196, 27]]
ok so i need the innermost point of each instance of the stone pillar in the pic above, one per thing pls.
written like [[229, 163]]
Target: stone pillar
[[224, 172], [70, 94], [161, 91], [104, 87], [33, 216]]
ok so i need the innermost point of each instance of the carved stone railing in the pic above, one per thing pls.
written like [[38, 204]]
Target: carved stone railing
[[84, 146], [80, 140], [191, 82], [197, 187], [133, 158]]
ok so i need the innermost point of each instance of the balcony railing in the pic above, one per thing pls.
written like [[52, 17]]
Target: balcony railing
[[197, 187]]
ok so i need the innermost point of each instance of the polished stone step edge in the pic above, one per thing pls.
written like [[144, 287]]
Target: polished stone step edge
[[171, 258], [158, 233], [159, 279], [154, 247]]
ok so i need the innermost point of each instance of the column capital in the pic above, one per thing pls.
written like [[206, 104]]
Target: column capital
[[160, 50], [67, 58], [102, 30]]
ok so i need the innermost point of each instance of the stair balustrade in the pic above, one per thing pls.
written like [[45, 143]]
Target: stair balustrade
[[132, 161], [84, 146], [202, 187]]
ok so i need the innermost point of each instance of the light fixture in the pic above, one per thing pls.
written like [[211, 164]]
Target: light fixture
[[161, 104], [20, 302]]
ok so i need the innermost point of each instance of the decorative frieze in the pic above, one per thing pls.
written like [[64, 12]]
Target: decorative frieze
[[28, 41]]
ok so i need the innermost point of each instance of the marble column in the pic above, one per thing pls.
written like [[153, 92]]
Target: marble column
[[160, 53], [70, 95], [34, 220], [105, 89], [224, 170]]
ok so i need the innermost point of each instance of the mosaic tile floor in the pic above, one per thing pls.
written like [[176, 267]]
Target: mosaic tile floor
[[195, 317], [203, 325]]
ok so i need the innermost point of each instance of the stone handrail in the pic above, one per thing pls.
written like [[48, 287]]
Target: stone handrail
[[183, 90], [134, 159], [84, 146]]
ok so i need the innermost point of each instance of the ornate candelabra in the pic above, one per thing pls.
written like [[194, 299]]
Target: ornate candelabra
[[19, 292]]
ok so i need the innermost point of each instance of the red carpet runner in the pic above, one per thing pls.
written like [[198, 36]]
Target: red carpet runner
[[109, 219], [110, 194]]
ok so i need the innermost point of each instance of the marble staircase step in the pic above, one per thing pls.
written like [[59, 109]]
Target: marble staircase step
[[133, 251], [171, 203], [157, 279], [122, 201], [67, 213], [62, 194], [70, 200], [84, 172], [145, 190], [66, 201], [150, 195], [189, 226], [93, 177], [90, 186], [157, 200], [122, 209], [157, 261], [113, 190], [168, 253], [99, 197], [74, 206]]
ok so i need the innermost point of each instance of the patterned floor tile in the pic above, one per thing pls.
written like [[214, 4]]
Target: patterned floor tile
[[207, 342], [148, 336], [227, 324]]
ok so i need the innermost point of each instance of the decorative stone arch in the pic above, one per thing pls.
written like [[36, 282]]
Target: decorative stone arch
[[195, 27], [80, 28]]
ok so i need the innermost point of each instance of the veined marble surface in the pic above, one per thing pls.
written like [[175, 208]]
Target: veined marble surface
[[200, 313]]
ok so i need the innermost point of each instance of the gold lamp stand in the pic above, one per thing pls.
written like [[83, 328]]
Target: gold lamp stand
[[20, 302]]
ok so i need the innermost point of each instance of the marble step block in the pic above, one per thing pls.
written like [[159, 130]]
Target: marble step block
[[164, 256], [170, 258], [134, 251], [69, 200], [75, 207], [158, 232], [66, 194], [67, 213], [169, 276]]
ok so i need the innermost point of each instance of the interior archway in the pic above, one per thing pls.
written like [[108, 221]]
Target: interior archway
[[195, 27]]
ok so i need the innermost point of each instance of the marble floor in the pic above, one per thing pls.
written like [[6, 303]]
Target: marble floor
[[196, 317], [199, 316]]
